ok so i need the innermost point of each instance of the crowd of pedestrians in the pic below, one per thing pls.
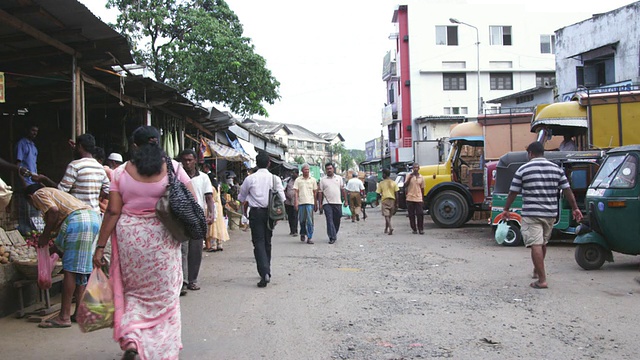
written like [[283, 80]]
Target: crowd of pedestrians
[[114, 201]]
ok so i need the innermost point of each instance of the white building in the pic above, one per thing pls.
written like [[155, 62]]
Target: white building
[[302, 144], [602, 51], [432, 74]]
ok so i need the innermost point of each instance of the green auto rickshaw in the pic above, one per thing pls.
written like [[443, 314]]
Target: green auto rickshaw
[[579, 166], [613, 204]]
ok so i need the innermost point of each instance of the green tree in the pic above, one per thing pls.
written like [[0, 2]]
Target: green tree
[[197, 47], [299, 159]]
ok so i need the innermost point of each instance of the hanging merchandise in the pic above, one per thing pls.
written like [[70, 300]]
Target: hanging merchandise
[[176, 142], [170, 143], [125, 140]]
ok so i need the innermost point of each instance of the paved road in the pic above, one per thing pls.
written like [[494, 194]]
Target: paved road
[[447, 294]]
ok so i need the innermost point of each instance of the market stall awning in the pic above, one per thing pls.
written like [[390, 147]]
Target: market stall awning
[[282, 163], [219, 151]]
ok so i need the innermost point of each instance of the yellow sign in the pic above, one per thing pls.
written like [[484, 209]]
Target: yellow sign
[[2, 87]]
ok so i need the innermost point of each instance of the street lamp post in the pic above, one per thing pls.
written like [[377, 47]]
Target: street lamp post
[[456, 21]]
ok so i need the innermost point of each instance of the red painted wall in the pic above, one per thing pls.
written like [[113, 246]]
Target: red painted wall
[[405, 90]]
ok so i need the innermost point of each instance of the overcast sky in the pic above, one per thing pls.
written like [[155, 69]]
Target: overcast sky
[[328, 55]]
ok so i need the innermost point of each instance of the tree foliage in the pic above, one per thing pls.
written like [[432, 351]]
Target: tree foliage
[[197, 47]]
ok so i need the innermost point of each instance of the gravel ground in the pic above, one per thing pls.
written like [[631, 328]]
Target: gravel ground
[[451, 293]]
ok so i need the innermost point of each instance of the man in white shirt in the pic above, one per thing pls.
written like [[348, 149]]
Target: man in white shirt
[[192, 250], [567, 144], [329, 192], [355, 189], [254, 193]]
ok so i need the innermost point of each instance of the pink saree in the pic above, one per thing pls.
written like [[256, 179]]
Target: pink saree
[[146, 272]]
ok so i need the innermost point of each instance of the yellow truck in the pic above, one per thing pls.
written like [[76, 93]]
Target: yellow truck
[[596, 119], [455, 189]]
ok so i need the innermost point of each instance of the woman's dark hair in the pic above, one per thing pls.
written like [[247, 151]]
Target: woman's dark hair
[[29, 190], [149, 157]]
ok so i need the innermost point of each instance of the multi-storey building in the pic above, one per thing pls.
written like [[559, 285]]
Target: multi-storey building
[[451, 55], [302, 144], [599, 52]]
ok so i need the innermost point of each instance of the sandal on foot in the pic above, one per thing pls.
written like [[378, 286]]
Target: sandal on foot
[[391, 232], [54, 323], [193, 286], [536, 285], [212, 250]]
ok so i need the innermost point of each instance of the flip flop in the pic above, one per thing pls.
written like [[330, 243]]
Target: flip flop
[[53, 324], [212, 250], [536, 285], [193, 286]]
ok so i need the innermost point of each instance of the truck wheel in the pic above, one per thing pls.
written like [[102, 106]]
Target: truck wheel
[[514, 236], [590, 256], [449, 209]]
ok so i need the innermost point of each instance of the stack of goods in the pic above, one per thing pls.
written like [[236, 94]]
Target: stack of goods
[[22, 252], [13, 247]]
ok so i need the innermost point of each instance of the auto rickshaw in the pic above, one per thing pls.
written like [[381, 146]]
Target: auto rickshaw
[[579, 167], [371, 197], [613, 203]]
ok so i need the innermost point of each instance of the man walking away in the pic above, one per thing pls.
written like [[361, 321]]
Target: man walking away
[[306, 188], [355, 189], [414, 185], [85, 178], [538, 180], [388, 190], [192, 249], [292, 214], [254, 193], [330, 194]]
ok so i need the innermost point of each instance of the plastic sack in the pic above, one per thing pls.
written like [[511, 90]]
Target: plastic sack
[[345, 210], [244, 220], [46, 264], [96, 308], [501, 232]]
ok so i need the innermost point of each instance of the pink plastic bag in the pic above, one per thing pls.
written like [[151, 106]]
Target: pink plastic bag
[[46, 263]]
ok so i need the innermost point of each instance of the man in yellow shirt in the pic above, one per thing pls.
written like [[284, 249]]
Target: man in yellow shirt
[[306, 188], [388, 189]]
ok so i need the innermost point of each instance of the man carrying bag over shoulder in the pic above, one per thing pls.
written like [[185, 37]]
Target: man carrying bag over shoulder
[[254, 193]]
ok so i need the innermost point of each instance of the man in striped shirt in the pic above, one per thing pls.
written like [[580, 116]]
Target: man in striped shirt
[[85, 178], [539, 180]]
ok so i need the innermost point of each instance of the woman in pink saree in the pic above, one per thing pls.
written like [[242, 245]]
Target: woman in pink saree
[[146, 263]]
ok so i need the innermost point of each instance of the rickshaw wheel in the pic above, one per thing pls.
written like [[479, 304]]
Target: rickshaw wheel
[[590, 256], [514, 236]]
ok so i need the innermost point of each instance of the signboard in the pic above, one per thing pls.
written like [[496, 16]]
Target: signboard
[[2, 87], [372, 149], [619, 86], [387, 115]]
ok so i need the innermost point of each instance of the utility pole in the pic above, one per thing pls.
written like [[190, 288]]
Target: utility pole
[[381, 148]]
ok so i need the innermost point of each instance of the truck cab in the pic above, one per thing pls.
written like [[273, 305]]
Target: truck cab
[[455, 188]]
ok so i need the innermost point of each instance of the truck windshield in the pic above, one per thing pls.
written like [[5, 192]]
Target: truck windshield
[[618, 171]]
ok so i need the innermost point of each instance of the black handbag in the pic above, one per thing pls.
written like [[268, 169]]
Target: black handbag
[[179, 211]]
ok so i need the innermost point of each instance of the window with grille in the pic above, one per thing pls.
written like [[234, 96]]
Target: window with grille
[[454, 81], [545, 79], [500, 35], [547, 44], [501, 81], [447, 35]]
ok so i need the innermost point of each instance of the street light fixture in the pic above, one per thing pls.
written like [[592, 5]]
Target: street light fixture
[[456, 21]]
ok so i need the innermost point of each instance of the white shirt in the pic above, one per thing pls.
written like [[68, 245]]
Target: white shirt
[[354, 185], [331, 188], [201, 186], [255, 188]]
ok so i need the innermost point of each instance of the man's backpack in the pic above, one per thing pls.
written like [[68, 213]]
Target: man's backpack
[[276, 204]]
